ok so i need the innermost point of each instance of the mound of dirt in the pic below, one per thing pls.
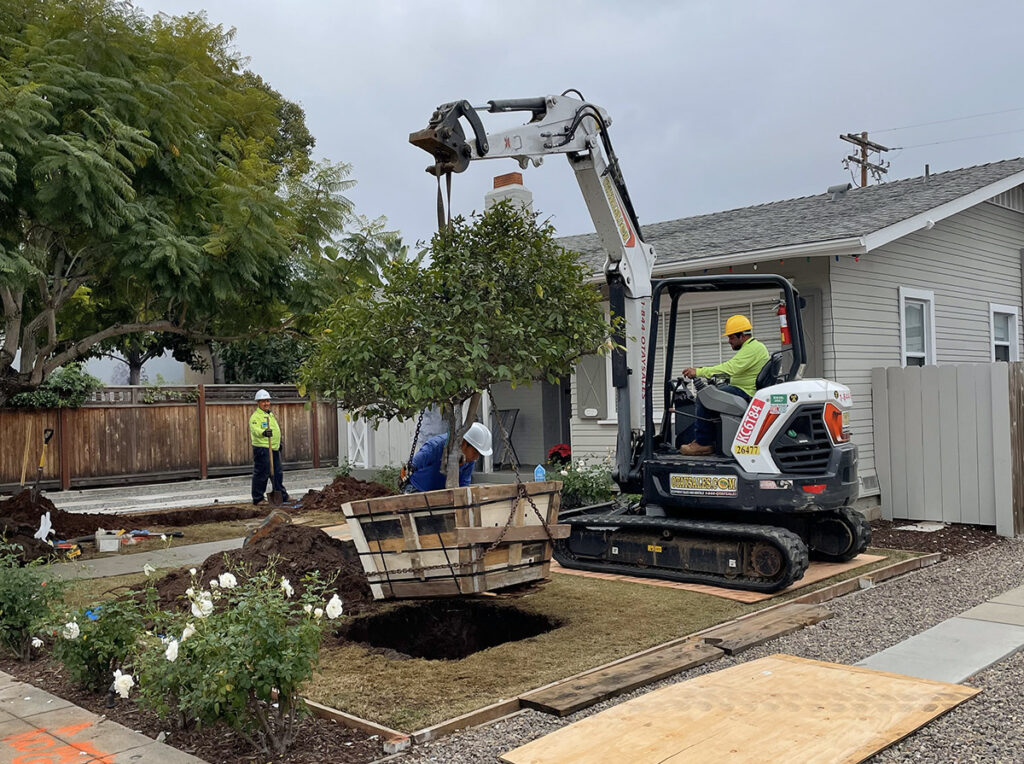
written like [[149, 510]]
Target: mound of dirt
[[341, 490], [295, 550], [21, 514]]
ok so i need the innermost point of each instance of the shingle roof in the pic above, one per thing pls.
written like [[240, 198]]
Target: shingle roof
[[806, 220]]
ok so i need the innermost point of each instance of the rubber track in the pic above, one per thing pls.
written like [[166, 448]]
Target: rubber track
[[792, 547], [861, 528]]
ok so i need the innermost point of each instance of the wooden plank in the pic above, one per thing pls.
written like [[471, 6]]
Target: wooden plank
[[913, 414], [985, 447], [348, 720], [201, 424], [947, 443], [967, 451], [63, 436], [524, 533], [898, 440], [880, 420], [778, 708], [1002, 469], [568, 697], [931, 443], [737, 637], [314, 428], [483, 715]]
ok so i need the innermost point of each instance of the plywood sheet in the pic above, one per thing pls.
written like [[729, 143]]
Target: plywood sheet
[[778, 708], [817, 571]]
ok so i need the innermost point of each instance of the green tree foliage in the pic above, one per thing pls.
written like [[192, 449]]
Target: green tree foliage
[[500, 301], [148, 184], [272, 359], [68, 387]]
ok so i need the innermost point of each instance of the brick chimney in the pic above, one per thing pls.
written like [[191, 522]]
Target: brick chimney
[[509, 186]]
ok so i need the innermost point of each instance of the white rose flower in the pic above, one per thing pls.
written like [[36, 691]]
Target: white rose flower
[[202, 606], [148, 569], [227, 581], [171, 653], [307, 608], [188, 632], [286, 587], [71, 630], [334, 607], [214, 583], [190, 592], [37, 642], [564, 472], [318, 613], [123, 683], [191, 571], [163, 537]]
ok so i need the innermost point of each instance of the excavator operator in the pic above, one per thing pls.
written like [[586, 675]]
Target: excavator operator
[[742, 370]]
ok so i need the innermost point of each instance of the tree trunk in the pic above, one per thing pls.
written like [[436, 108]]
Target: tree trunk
[[218, 367], [134, 373], [457, 427]]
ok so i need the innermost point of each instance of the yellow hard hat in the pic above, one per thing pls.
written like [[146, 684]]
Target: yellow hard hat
[[737, 324]]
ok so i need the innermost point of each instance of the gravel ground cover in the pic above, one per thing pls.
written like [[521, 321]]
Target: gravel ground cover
[[987, 728]]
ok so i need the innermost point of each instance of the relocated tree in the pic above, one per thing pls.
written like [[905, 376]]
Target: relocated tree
[[147, 184], [500, 301]]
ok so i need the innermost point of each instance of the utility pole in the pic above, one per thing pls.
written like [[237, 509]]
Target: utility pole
[[877, 169]]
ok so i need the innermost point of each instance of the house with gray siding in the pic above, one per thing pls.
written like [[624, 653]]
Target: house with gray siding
[[920, 271]]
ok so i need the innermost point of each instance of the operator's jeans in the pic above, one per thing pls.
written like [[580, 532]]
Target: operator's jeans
[[704, 427], [261, 472]]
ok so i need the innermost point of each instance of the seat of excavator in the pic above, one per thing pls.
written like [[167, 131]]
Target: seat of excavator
[[722, 402]]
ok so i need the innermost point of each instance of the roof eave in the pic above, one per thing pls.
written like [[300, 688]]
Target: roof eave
[[895, 231], [853, 245]]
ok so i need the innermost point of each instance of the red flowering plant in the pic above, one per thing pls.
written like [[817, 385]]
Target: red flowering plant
[[559, 455]]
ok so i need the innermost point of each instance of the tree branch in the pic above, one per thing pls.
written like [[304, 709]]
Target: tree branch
[[12, 324]]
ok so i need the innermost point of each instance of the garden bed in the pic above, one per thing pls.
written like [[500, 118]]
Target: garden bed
[[317, 740]]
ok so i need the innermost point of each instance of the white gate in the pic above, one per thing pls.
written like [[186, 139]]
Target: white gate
[[360, 443]]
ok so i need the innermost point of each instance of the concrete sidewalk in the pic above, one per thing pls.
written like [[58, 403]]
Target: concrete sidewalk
[[39, 727], [187, 493], [960, 647]]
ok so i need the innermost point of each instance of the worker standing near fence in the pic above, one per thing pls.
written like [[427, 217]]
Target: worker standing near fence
[[265, 434]]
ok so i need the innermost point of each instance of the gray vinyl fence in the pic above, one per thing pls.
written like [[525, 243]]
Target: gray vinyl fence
[[945, 443]]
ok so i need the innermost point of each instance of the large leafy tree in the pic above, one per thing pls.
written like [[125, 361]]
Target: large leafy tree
[[147, 184], [499, 301]]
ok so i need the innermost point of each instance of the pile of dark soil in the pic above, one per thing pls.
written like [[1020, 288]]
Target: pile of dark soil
[[294, 550], [444, 629], [21, 512], [342, 489], [952, 541], [316, 740]]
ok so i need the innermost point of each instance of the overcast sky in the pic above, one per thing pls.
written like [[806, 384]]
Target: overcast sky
[[715, 104]]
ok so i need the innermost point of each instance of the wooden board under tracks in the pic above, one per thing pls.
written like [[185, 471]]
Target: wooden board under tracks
[[569, 697], [757, 629], [817, 571], [452, 542], [778, 708]]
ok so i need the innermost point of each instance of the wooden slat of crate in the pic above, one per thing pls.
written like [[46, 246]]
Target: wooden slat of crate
[[756, 630], [524, 533]]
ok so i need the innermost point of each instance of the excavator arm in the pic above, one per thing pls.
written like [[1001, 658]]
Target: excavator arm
[[566, 125]]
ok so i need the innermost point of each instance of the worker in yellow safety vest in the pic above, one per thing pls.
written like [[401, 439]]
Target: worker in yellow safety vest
[[265, 435]]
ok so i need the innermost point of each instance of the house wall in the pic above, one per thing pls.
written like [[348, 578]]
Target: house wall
[[969, 260], [595, 438]]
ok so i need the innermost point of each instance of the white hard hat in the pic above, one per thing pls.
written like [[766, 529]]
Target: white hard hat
[[262, 395], [479, 437]]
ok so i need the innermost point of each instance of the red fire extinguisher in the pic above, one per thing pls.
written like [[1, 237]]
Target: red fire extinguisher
[[783, 324]]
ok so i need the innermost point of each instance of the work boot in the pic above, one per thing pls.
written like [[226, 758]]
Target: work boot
[[696, 449]]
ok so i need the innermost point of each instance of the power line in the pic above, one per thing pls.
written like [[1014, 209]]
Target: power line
[[966, 138], [947, 121]]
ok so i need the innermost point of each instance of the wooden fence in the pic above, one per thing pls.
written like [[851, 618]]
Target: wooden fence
[[140, 435], [949, 443]]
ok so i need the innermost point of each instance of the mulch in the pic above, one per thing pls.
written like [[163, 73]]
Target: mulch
[[951, 541], [316, 740]]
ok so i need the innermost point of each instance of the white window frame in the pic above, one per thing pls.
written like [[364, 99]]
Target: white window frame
[[926, 296], [1014, 312]]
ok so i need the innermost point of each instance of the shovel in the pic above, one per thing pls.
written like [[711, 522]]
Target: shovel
[[47, 434], [274, 496]]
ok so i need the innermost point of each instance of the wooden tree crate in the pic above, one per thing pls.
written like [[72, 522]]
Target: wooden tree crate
[[443, 543]]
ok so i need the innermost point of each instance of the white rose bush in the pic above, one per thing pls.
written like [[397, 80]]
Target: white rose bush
[[28, 598], [239, 655]]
